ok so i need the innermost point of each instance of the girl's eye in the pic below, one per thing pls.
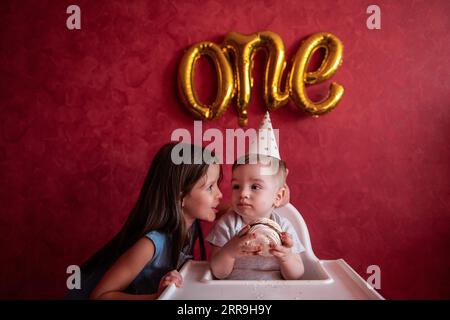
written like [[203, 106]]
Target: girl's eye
[[210, 187]]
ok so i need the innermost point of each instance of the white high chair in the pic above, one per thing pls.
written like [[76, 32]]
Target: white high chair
[[322, 279], [313, 268]]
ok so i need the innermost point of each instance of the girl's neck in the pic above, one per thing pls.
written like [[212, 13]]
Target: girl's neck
[[189, 221]]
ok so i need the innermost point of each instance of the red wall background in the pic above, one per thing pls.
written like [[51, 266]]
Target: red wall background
[[83, 112]]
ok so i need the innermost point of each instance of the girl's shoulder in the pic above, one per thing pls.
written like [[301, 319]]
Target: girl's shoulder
[[157, 237], [155, 234]]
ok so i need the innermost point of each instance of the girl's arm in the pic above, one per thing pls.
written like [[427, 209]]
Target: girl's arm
[[124, 271]]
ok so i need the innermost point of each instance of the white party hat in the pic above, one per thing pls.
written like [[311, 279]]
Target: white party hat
[[266, 142]]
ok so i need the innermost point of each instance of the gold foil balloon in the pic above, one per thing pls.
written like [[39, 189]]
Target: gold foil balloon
[[299, 75], [242, 49], [224, 80]]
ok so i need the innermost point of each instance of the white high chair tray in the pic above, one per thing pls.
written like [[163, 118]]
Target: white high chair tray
[[341, 283]]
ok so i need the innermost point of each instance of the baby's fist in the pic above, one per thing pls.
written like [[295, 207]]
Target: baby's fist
[[286, 240]]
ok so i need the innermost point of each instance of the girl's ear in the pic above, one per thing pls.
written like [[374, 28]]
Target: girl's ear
[[182, 199]]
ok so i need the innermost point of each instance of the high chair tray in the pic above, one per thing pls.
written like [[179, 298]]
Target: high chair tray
[[341, 283]]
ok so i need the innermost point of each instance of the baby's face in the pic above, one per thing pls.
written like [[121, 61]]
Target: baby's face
[[254, 194]]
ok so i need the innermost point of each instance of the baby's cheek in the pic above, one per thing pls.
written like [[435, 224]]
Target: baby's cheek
[[269, 201]]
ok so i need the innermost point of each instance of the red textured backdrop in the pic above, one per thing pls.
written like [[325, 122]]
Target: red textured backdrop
[[83, 112]]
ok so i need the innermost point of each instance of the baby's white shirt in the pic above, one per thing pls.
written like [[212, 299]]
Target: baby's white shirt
[[251, 267]]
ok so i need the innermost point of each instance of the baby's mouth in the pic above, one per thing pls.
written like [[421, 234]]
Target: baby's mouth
[[244, 205]]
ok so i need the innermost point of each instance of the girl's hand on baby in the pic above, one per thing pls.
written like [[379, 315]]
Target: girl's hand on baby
[[283, 251], [171, 277]]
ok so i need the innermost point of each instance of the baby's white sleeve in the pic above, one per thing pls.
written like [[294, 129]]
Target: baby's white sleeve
[[221, 233], [287, 227]]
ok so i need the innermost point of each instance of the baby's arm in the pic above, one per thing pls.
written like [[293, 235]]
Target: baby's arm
[[291, 264], [221, 262], [223, 258]]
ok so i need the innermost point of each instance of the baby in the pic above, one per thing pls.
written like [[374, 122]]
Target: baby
[[258, 187]]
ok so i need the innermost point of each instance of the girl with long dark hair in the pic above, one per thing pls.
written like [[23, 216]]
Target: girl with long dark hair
[[160, 232]]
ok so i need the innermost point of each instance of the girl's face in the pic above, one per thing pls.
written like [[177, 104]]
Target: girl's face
[[201, 203], [254, 195]]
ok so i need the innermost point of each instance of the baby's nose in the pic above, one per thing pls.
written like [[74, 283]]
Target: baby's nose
[[244, 194]]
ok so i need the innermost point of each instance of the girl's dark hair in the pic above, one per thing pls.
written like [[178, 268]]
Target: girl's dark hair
[[159, 205]]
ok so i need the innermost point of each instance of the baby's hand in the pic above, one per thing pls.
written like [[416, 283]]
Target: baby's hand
[[238, 246], [282, 252], [171, 277], [286, 240]]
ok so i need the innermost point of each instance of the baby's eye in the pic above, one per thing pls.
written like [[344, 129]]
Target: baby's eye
[[256, 187], [235, 187]]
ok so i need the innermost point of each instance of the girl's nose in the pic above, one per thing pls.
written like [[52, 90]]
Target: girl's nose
[[219, 194]]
